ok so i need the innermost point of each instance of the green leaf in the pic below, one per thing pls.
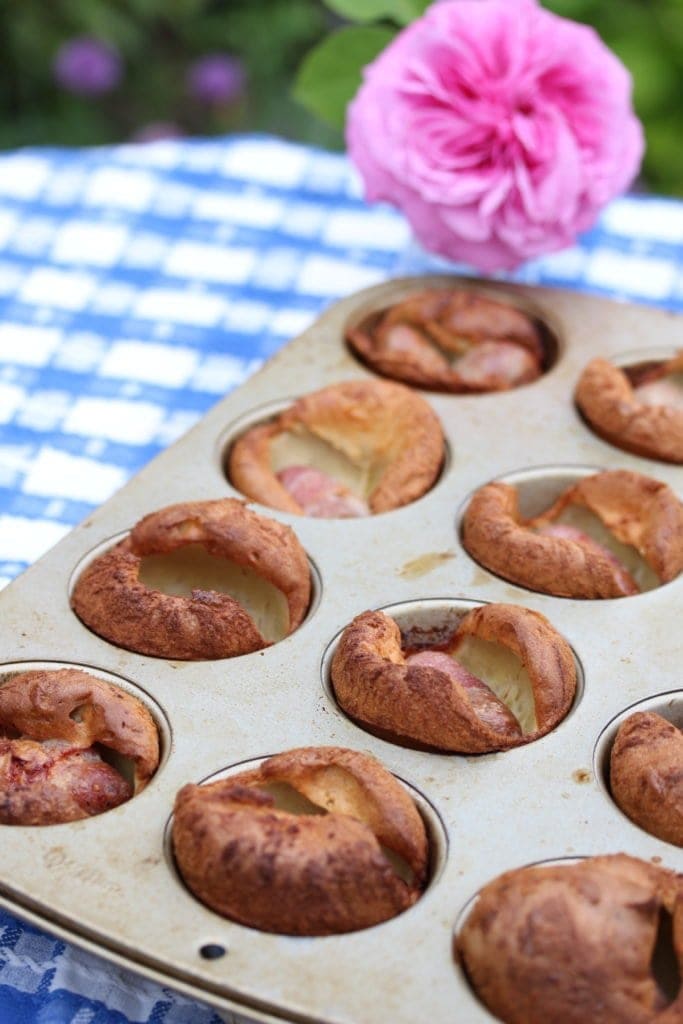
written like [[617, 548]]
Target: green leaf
[[331, 73], [656, 83], [662, 158], [579, 10], [401, 11]]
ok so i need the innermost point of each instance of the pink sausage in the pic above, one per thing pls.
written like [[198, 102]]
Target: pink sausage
[[404, 340], [492, 711], [79, 775], [497, 364], [320, 495], [621, 573]]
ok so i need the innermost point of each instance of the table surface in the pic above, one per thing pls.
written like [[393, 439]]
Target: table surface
[[138, 285]]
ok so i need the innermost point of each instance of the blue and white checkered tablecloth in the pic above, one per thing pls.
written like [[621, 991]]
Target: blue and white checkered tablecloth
[[139, 284]]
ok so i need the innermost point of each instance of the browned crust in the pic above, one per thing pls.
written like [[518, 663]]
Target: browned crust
[[300, 874], [70, 705], [449, 320], [646, 775], [112, 601], [374, 685], [573, 943], [637, 509], [607, 399], [372, 423]]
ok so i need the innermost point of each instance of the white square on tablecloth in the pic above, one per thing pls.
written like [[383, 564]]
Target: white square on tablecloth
[[210, 262], [59, 288], [55, 473], [165, 365], [28, 539], [11, 398], [636, 275], [114, 419], [372, 229], [218, 374], [83, 242], [180, 306], [8, 222], [27, 345], [653, 219], [23, 176], [265, 160], [114, 187], [250, 209], [323, 275]]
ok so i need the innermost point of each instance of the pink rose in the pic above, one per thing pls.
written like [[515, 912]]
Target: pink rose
[[498, 128]]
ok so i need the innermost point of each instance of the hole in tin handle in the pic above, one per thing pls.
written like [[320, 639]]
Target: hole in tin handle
[[212, 951]]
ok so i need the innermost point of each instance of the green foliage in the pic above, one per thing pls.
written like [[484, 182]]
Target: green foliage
[[400, 11], [158, 39], [331, 73]]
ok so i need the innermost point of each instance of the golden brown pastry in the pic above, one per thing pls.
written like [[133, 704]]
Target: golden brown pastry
[[542, 554], [430, 698], [451, 339], [573, 943], [387, 434], [112, 601], [646, 774], [50, 768], [633, 408], [303, 873]]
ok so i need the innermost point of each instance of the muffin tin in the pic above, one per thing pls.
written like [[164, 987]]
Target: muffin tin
[[108, 883]]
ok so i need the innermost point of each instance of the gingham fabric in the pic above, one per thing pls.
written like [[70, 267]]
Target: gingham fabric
[[137, 286]]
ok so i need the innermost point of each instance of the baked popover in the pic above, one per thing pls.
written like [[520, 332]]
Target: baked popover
[[636, 408], [544, 553], [573, 943], [55, 727], [351, 853], [112, 599], [646, 774], [451, 339], [436, 696], [351, 449]]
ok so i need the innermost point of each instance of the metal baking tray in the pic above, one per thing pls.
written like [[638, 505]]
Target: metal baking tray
[[109, 884]]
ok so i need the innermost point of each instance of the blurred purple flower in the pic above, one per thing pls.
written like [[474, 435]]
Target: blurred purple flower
[[156, 131], [216, 78], [87, 66]]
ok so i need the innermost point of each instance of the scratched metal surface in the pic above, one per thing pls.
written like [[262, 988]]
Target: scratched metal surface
[[108, 882]]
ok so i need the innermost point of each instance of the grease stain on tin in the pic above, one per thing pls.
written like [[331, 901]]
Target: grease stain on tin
[[423, 564]]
